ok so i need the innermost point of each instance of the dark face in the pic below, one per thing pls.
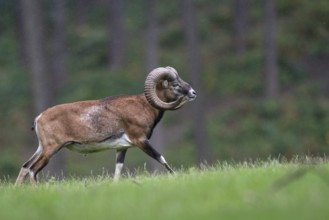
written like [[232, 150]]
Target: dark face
[[177, 89]]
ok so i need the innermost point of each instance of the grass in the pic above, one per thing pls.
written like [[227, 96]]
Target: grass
[[263, 190]]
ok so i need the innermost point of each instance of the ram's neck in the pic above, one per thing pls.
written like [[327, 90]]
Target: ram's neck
[[159, 117], [157, 114]]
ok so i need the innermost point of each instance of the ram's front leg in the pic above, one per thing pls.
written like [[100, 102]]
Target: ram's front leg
[[120, 158], [149, 150]]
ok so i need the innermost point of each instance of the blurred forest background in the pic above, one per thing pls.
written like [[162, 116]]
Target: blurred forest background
[[260, 68]]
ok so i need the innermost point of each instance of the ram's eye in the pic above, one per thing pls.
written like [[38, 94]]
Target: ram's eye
[[175, 85]]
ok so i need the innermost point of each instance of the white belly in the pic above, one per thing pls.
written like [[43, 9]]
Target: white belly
[[122, 142]]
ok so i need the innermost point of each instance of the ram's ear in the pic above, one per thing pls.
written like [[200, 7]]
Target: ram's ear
[[165, 84]]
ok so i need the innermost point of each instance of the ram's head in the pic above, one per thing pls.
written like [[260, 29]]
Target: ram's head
[[165, 90]]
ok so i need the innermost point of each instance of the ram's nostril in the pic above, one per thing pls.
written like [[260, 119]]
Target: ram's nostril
[[192, 94]]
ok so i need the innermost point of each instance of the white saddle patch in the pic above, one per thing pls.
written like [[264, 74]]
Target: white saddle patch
[[122, 142]]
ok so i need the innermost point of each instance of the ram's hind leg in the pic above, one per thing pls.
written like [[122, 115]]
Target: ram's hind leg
[[36, 163], [26, 167], [41, 161]]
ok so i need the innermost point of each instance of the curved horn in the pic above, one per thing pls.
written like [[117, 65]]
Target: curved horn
[[172, 69], [151, 81]]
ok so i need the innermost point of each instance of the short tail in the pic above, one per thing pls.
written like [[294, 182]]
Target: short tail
[[33, 126]]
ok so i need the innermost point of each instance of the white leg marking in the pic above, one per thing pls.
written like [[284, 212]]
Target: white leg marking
[[163, 160], [117, 173], [31, 174]]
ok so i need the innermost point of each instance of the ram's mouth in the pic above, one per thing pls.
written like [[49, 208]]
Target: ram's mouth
[[191, 97]]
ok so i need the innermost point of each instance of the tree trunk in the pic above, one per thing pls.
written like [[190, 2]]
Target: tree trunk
[[151, 36], [194, 70], [19, 32], [151, 57], [59, 57], [81, 10], [59, 70], [270, 51], [41, 78], [116, 34], [240, 20]]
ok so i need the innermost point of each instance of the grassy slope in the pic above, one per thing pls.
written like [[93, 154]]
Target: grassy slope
[[224, 192]]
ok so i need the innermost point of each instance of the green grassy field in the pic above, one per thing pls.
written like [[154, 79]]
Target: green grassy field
[[264, 190]]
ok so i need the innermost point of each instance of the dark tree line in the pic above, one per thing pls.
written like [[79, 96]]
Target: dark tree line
[[270, 50]]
